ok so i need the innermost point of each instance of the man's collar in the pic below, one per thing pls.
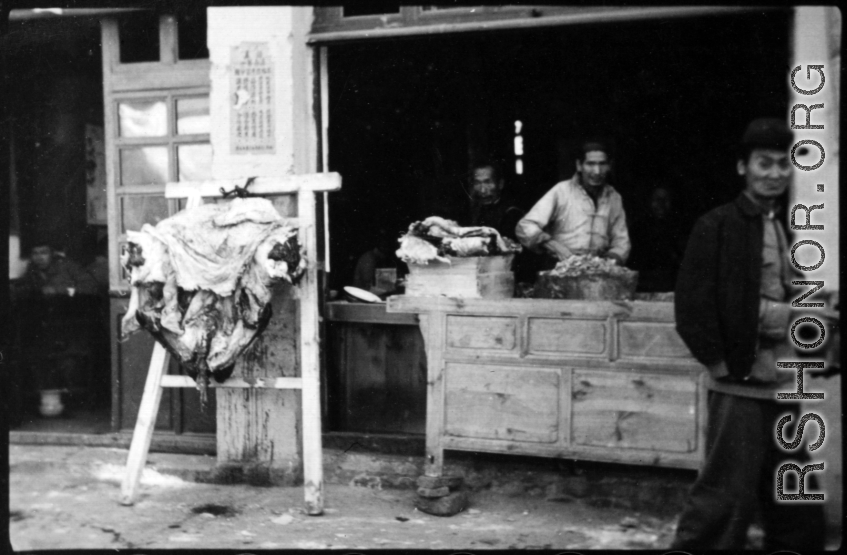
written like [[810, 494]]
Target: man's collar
[[577, 179], [751, 207]]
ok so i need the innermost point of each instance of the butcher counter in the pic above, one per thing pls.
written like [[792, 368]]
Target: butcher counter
[[594, 380]]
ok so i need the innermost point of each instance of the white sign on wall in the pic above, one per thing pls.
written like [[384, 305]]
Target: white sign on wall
[[252, 99]]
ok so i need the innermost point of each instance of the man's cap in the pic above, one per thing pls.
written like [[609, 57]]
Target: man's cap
[[767, 133]]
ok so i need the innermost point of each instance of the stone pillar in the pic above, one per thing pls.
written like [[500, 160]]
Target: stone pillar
[[263, 125]]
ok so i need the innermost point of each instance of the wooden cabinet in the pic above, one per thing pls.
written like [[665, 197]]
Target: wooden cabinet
[[606, 381]]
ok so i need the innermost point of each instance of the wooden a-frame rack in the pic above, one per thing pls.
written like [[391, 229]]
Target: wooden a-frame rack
[[305, 187]]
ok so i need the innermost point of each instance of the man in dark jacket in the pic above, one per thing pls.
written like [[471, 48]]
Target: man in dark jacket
[[490, 205], [733, 312]]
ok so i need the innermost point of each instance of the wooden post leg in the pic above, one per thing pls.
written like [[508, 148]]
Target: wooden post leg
[[312, 446], [310, 363], [432, 329], [144, 424]]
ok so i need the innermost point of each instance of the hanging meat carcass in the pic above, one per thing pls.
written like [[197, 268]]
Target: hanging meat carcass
[[202, 281]]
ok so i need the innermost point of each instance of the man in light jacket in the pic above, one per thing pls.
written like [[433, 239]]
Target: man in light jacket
[[583, 215]]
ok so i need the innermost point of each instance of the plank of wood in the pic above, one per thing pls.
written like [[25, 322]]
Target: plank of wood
[[565, 410], [312, 182], [465, 265], [645, 457], [482, 332], [260, 425], [144, 425], [154, 76], [432, 329], [236, 383], [309, 352], [365, 313], [494, 285], [624, 310], [502, 402], [567, 335], [635, 410], [405, 377]]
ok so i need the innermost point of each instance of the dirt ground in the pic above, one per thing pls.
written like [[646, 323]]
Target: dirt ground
[[74, 505]]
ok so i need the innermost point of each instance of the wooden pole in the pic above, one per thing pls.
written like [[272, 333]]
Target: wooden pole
[[324, 80], [145, 423], [309, 362]]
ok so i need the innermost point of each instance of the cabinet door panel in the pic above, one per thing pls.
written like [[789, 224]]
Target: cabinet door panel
[[502, 402], [634, 410]]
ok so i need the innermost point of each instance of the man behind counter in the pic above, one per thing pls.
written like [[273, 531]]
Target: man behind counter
[[583, 215], [490, 207]]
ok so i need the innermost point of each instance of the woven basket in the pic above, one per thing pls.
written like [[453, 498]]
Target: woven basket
[[597, 287]]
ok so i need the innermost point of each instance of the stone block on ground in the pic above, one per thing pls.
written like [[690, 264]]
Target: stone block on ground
[[432, 482], [433, 493], [449, 505]]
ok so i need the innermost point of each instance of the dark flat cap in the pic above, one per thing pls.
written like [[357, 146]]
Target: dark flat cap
[[767, 133]]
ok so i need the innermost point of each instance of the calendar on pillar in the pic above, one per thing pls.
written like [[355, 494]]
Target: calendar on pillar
[[252, 99]]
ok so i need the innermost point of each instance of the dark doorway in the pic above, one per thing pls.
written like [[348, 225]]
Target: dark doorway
[[408, 116]]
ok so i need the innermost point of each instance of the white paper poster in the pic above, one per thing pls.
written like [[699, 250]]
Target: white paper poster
[[252, 99]]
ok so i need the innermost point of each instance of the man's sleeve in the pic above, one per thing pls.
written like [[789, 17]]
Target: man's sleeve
[[510, 221], [531, 226], [695, 298], [618, 232]]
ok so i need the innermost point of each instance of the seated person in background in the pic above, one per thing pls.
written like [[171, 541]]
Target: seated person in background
[[380, 256], [658, 243], [50, 276], [490, 206], [583, 215], [54, 321]]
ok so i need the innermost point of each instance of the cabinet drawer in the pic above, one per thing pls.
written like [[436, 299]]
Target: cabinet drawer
[[651, 340], [482, 332], [554, 336]]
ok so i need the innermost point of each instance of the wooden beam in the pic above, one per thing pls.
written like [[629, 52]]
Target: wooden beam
[[574, 16], [324, 113], [259, 383], [154, 76], [144, 425], [310, 359], [312, 182]]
